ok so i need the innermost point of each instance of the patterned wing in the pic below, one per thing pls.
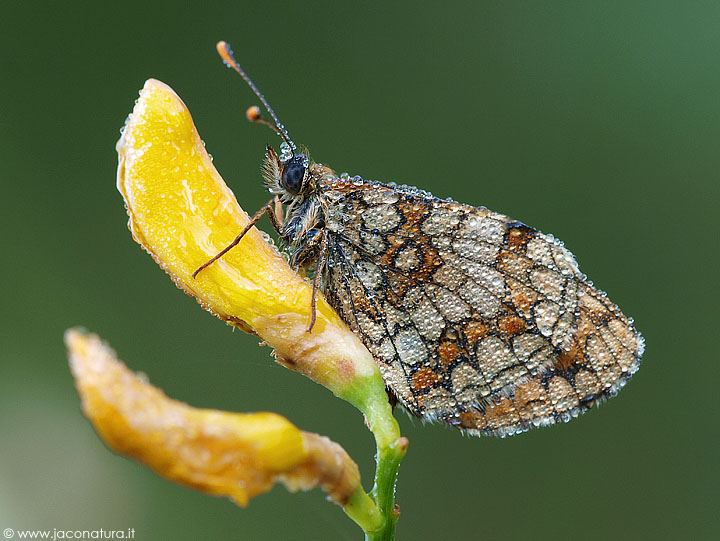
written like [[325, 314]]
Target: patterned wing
[[475, 319]]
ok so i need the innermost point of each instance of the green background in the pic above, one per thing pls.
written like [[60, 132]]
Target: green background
[[596, 121]]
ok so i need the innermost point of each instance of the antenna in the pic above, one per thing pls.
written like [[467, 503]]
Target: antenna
[[226, 54]]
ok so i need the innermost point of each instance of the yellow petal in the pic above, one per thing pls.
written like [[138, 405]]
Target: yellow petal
[[183, 214], [221, 453]]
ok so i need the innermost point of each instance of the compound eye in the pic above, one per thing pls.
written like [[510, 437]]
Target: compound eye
[[293, 174]]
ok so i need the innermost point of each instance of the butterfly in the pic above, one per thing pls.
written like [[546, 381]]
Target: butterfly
[[474, 319]]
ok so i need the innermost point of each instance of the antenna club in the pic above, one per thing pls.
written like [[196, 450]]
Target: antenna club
[[253, 113], [225, 53]]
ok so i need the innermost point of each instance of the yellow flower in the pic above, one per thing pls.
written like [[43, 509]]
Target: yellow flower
[[183, 214], [221, 453]]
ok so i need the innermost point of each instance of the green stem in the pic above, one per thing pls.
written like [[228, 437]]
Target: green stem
[[388, 462], [371, 398], [362, 509]]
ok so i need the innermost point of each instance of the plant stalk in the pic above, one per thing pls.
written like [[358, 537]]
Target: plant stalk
[[371, 398]]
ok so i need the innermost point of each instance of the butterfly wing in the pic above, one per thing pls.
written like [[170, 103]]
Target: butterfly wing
[[475, 319]]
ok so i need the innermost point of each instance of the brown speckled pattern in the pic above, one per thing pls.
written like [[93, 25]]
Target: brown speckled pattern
[[475, 319]]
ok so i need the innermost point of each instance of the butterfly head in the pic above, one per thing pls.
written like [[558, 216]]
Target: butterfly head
[[289, 175]]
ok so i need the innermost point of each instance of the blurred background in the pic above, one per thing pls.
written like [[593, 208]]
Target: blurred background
[[596, 121]]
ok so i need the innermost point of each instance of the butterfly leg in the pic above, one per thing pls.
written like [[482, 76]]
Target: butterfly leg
[[277, 216], [276, 223], [316, 279]]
